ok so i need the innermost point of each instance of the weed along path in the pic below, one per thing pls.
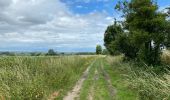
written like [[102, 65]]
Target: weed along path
[[74, 93]]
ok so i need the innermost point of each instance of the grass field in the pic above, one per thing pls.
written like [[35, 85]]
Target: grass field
[[36, 78], [108, 78]]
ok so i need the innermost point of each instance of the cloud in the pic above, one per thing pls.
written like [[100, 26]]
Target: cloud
[[44, 24], [88, 1], [4, 3]]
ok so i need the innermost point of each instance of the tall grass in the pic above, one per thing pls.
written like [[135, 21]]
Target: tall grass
[[35, 78], [147, 84], [166, 57]]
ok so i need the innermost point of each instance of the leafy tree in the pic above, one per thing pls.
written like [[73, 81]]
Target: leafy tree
[[145, 30], [125, 45], [105, 52], [7, 53], [111, 33], [168, 29], [51, 52], [35, 53], [168, 12], [98, 49]]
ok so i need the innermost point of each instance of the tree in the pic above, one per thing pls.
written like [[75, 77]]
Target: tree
[[8, 53], [168, 29], [111, 33], [167, 40], [51, 52], [125, 45], [98, 49], [35, 53], [145, 30], [105, 52], [168, 12]]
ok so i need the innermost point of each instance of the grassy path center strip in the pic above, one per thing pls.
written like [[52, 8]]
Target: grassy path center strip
[[74, 93], [107, 78]]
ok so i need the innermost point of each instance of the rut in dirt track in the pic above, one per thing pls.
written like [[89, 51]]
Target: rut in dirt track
[[112, 90], [74, 93]]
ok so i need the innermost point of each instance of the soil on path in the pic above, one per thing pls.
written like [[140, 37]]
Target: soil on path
[[74, 93], [112, 90]]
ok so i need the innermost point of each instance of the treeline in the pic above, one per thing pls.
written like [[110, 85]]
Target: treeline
[[142, 33], [50, 52], [100, 50]]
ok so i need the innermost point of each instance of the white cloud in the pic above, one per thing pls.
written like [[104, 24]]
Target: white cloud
[[79, 6], [88, 1], [48, 24]]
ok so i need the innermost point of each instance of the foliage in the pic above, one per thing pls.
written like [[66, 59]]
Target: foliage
[[168, 12], [105, 52], [125, 45], [51, 52], [111, 34], [85, 53], [7, 53], [167, 41], [145, 29], [98, 49], [35, 53]]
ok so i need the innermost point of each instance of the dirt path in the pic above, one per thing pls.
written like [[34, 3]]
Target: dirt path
[[112, 90], [74, 93], [91, 91], [98, 85], [94, 84]]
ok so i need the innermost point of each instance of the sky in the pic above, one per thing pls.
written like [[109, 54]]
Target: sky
[[62, 25]]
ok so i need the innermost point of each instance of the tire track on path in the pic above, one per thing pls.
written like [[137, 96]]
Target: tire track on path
[[111, 89], [74, 93]]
